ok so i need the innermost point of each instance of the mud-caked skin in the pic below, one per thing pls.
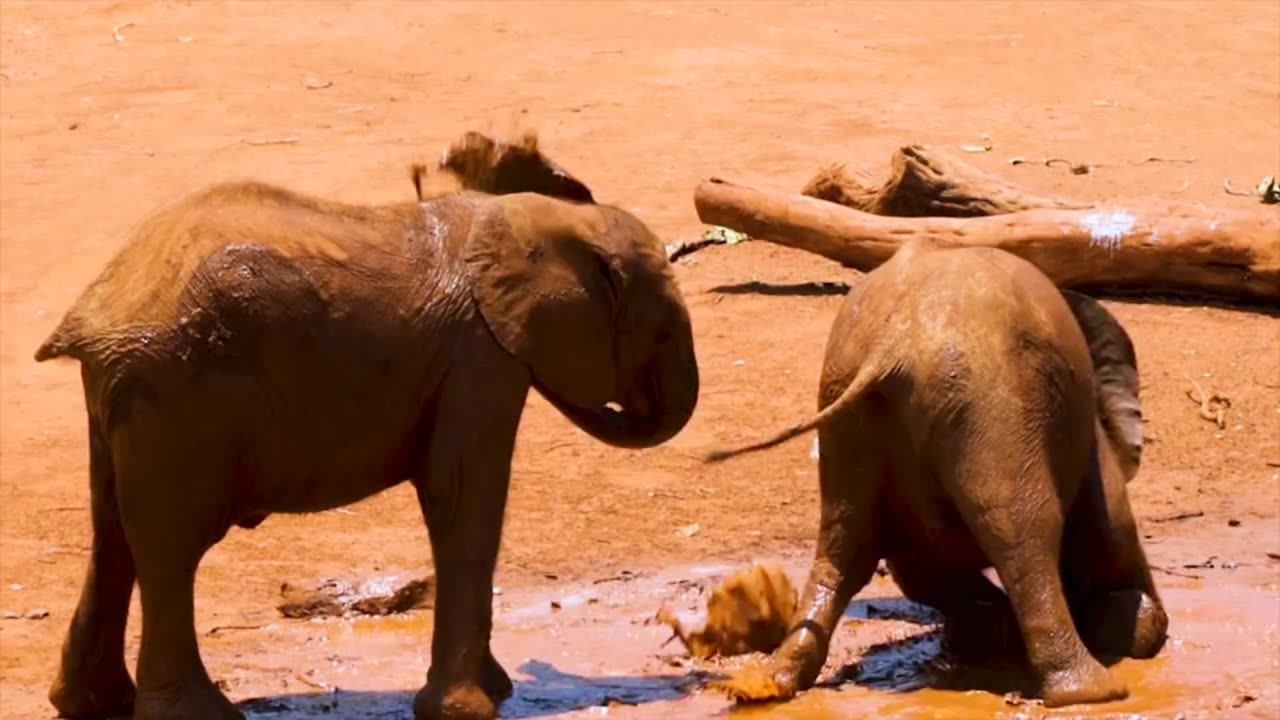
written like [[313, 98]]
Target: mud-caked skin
[[971, 416], [253, 351]]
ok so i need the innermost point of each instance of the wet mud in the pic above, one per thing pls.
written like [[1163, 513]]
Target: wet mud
[[596, 650]]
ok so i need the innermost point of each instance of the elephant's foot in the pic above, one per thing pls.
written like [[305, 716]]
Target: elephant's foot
[[495, 681], [770, 680], [1087, 682], [194, 701], [104, 694], [459, 701]]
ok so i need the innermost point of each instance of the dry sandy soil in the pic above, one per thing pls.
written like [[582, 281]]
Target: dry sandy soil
[[641, 101]]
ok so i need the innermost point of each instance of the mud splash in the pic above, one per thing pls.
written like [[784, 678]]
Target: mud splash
[[594, 649]]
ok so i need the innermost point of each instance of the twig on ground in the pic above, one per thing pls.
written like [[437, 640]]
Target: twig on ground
[[326, 687], [688, 247], [714, 236], [1156, 158], [1178, 573], [1267, 191], [1226, 187], [269, 141], [624, 576], [1087, 168], [1213, 406], [227, 628], [1179, 516], [1076, 168]]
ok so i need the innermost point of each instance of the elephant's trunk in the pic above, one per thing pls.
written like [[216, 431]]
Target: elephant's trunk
[[656, 404]]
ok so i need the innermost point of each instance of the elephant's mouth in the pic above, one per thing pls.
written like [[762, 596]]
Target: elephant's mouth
[[639, 421]]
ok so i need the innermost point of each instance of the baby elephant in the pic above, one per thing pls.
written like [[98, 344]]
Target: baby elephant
[[973, 415], [253, 351]]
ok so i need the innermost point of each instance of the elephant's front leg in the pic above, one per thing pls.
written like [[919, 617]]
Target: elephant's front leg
[[852, 470], [463, 492]]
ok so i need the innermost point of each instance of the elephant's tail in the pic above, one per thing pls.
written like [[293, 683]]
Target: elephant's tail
[[868, 375]]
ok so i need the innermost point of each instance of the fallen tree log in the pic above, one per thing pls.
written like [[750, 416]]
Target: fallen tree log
[[923, 183], [1142, 246]]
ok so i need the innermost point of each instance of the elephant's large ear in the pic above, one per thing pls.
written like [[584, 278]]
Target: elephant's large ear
[[548, 292], [1115, 367]]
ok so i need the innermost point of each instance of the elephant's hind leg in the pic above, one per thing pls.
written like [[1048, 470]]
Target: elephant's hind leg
[[92, 681], [1010, 503], [174, 499], [852, 469]]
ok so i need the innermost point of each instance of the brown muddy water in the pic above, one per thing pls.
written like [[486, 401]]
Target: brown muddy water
[[597, 653]]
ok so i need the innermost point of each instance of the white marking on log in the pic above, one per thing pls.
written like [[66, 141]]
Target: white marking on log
[[1107, 229]]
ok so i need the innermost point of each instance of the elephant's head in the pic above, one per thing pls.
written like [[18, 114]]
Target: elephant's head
[[584, 295], [1115, 370]]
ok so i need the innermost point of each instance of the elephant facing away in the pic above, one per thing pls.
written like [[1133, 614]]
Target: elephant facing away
[[254, 351], [972, 415]]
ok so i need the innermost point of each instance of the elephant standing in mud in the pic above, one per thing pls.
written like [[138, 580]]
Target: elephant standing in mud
[[255, 351], [973, 415]]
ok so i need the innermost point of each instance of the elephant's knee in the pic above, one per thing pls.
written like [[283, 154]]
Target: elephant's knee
[[1152, 628], [1127, 623]]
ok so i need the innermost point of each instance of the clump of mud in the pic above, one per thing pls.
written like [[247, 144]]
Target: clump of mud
[[750, 611], [501, 167], [334, 597]]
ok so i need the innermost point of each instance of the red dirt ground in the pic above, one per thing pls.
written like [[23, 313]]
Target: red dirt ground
[[641, 101]]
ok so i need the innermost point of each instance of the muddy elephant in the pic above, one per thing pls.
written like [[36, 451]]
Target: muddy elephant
[[973, 416], [254, 351]]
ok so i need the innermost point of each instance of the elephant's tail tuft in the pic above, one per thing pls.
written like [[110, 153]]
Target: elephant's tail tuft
[[868, 375]]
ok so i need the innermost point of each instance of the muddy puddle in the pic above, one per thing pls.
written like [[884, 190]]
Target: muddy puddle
[[593, 650]]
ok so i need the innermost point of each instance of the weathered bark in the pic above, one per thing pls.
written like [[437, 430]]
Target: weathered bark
[[1142, 246], [924, 183]]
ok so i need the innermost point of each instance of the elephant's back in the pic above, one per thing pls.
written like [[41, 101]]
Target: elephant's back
[[248, 241], [981, 320], [980, 295]]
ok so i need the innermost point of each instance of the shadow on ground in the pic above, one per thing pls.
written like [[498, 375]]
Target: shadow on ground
[[810, 289], [546, 693], [919, 661]]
